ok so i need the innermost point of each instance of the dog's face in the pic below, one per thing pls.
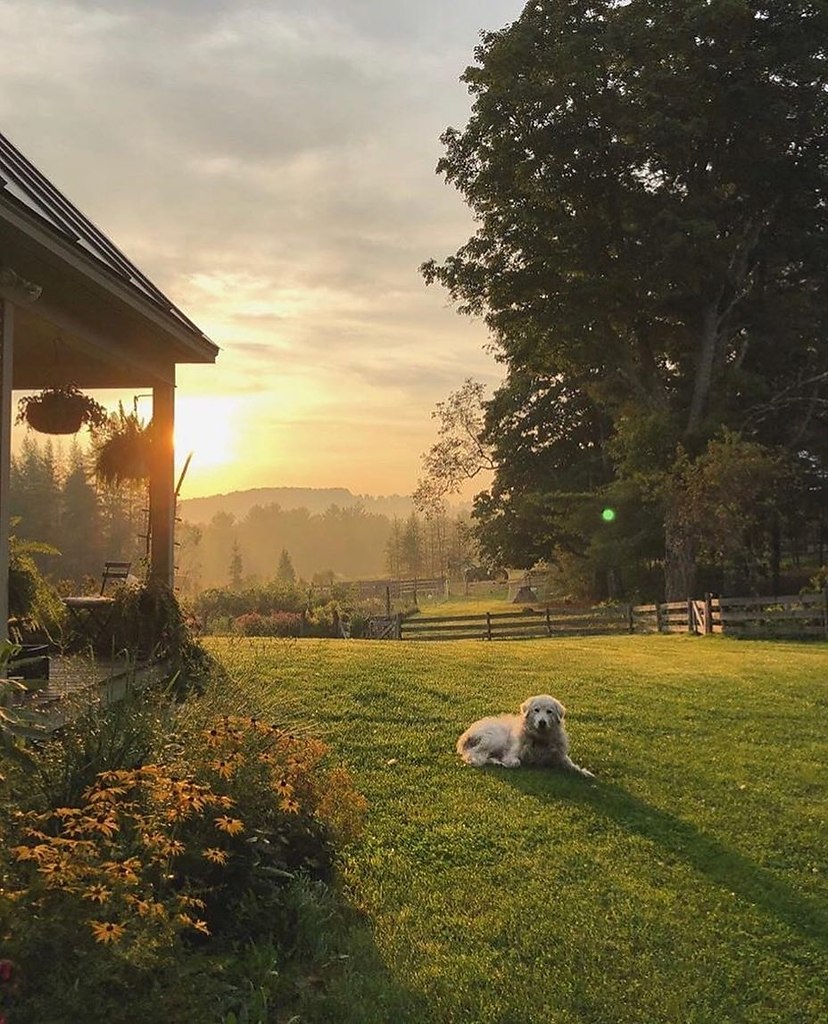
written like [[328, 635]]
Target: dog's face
[[541, 714]]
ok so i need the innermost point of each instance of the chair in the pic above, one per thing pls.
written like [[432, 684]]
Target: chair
[[91, 614]]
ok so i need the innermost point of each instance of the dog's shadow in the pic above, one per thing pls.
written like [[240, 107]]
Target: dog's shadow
[[679, 838]]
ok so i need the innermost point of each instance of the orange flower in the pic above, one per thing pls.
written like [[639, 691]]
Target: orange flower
[[290, 805], [106, 931], [232, 826], [215, 855]]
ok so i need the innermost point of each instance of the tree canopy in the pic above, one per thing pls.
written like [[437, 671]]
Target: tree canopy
[[649, 183]]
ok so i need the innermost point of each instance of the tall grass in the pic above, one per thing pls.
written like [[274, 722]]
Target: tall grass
[[686, 883]]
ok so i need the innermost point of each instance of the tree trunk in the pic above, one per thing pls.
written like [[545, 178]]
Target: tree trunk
[[679, 559]]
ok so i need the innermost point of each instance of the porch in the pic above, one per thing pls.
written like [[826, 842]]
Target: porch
[[75, 682]]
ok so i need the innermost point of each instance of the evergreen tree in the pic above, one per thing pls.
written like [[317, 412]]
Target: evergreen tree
[[81, 524], [35, 493], [285, 571], [236, 565]]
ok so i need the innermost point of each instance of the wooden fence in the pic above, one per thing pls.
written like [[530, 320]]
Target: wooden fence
[[436, 586], [519, 624], [796, 616]]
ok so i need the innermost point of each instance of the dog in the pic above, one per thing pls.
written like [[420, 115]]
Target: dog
[[535, 737]]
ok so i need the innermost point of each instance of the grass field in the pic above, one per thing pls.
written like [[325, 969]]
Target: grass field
[[687, 883]]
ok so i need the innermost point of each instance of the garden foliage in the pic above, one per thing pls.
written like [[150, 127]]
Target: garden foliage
[[147, 841]]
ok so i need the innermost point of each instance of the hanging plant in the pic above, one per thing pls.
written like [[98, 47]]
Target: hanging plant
[[123, 452], [60, 410]]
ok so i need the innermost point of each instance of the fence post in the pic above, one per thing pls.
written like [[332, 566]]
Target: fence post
[[708, 612], [488, 625], [398, 629], [630, 618], [658, 616], [548, 621], [691, 618], [388, 602]]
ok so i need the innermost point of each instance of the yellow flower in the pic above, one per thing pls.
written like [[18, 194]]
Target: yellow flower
[[290, 805], [213, 736], [106, 931], [97, 893], [215, 855], [103, 823], [223, 768], [232, 826], [124, 871], [191, 901]]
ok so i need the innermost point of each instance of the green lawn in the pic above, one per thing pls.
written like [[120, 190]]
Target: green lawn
[[687, 883]]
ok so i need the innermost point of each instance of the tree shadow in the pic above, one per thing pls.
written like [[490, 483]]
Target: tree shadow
[[706, 855]]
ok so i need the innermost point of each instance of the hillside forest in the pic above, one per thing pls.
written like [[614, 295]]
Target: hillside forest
[[56, 502]]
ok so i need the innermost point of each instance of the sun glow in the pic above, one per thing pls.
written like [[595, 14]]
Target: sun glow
[[206, 426]]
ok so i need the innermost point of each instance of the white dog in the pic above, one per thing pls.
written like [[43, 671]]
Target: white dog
[[534, 737]]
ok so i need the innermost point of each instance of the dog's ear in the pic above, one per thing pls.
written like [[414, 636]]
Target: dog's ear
[[524, 707], [561, 711]]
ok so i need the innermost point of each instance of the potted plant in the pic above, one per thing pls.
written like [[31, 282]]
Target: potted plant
[[60, 410], [123, 451]]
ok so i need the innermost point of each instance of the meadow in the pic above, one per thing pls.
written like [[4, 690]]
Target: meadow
[[686, 883]]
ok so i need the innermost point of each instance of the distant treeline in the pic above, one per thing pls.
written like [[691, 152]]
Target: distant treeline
[[55, 500], [339, 543]]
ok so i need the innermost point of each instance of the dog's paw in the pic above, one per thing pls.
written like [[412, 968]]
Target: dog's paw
[[510, 762]]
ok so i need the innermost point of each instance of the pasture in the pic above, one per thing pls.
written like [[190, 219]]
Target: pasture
[[687, 883]]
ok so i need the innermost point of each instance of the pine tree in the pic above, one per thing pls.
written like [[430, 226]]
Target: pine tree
[[285, 571], [236, 565]]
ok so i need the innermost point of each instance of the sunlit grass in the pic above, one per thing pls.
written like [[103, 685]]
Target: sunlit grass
[[685, 884]]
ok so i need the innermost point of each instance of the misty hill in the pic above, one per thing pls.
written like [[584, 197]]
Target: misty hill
[[315, 499]]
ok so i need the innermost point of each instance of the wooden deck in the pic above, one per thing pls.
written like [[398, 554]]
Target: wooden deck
[[75, 683]]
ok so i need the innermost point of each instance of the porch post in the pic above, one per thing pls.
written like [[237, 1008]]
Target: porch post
[[6, 353], [162, 484]]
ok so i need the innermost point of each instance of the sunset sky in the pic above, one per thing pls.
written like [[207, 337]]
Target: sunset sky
[[270, 166]]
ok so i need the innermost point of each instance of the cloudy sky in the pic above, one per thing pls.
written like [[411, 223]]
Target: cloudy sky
[[270, 165]]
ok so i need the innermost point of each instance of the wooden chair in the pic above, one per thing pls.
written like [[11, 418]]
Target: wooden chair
[[91, 614]]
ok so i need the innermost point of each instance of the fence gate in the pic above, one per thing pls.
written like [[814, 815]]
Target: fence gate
[[698, 612]]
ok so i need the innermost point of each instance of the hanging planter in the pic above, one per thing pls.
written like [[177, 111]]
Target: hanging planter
[[60, 410], [123, 454]]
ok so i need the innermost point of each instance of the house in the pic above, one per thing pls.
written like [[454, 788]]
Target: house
[[62, 280]]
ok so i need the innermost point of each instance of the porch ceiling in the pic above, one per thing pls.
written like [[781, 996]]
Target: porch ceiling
[[98, 322]]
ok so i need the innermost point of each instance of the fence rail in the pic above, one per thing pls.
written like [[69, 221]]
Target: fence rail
[[519, 624], [801, 615]]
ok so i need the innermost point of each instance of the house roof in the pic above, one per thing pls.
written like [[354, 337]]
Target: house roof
[[45, 236]]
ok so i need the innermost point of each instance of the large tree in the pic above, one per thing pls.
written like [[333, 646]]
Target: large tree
[[649, 181]]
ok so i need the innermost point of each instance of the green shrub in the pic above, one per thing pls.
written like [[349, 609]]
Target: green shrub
[[274, 624]]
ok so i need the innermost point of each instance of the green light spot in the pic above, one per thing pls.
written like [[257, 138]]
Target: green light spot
[[608, 515]]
